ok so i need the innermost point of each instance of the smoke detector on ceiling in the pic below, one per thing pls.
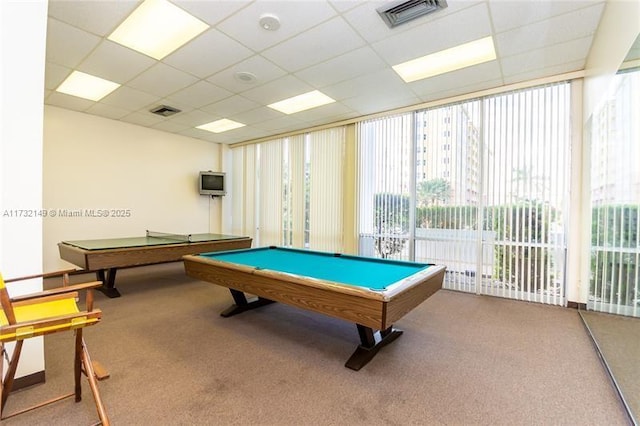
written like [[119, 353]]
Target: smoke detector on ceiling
[[269, 22], [245, 77], [164, 110], [400, 12]]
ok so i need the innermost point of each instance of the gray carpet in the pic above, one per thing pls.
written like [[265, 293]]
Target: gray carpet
[[463, 360], [618, 339]]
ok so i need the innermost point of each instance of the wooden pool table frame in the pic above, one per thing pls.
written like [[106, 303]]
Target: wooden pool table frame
[[373, 312], [105, 262]]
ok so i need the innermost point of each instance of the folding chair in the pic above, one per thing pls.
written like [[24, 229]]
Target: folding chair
[[43, 313]]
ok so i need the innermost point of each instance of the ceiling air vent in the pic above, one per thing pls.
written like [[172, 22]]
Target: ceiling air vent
[[399, 12], [165, 110]]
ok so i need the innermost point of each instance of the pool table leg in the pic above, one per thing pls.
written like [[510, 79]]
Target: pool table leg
[[371, 342], [242, 304], [108, 286]]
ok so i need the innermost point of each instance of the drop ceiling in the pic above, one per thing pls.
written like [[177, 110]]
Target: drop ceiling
[[342, 48]]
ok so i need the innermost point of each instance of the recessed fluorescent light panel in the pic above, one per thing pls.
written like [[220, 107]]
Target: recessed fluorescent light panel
[[302, 102], [220, 126], [157, 28], [462, 56], [87, 86]]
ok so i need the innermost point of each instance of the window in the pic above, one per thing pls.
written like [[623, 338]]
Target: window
[[489, 203]]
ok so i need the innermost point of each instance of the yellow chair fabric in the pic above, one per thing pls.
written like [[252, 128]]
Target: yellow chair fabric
[[43, 313]]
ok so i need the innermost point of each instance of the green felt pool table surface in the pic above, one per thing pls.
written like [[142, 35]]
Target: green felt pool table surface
[[372, 273]]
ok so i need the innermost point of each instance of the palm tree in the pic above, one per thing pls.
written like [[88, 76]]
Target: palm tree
[[430, 192]]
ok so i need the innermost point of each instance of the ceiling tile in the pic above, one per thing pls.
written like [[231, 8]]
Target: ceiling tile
[[161, 80], [568, 26], [192, 132], [348, 114], [456, 80], [171, 126], [200, 94], [382, 89], [545, 72], [457, 91], [506, 15], [368, 103], [379, 84], [343, 5], [67, 45], [230, 106], [324, 113], [244, 25], [549, 57], [67, 101], [350, 65], [54, 75], [281, 124], [277, 90], [128, 98], [97, 17], [115, 62], [240, 134], [323, 42], [263, 69], [210, 13], [142, 118], [108, 111], [194, 118], [207, 54], [256, 115]]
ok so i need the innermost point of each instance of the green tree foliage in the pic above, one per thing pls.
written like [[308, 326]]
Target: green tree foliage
[[433, 192]]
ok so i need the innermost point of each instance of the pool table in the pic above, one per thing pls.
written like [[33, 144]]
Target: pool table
[[106, 256], [372, 293]]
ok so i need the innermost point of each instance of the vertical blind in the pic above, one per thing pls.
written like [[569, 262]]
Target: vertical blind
[[326, 158], [289, 191], [478, 186], [243, 191], [295, 197], [270, 193], [527, 137]]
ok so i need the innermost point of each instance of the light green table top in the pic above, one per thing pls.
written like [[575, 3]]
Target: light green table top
[[115, 243]]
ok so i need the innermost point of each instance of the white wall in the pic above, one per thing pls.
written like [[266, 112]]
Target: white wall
[[22, 51], [618, 29], [148, 176]]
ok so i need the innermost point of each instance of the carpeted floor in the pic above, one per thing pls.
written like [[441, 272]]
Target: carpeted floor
[[618, 339], [462, 360]]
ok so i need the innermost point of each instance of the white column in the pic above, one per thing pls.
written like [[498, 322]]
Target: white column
[[23, 27]]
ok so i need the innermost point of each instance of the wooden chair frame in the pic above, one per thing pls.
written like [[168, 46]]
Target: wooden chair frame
[[69, 321]]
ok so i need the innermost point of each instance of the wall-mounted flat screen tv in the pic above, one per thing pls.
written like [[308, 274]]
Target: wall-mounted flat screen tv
[[212, 183]]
